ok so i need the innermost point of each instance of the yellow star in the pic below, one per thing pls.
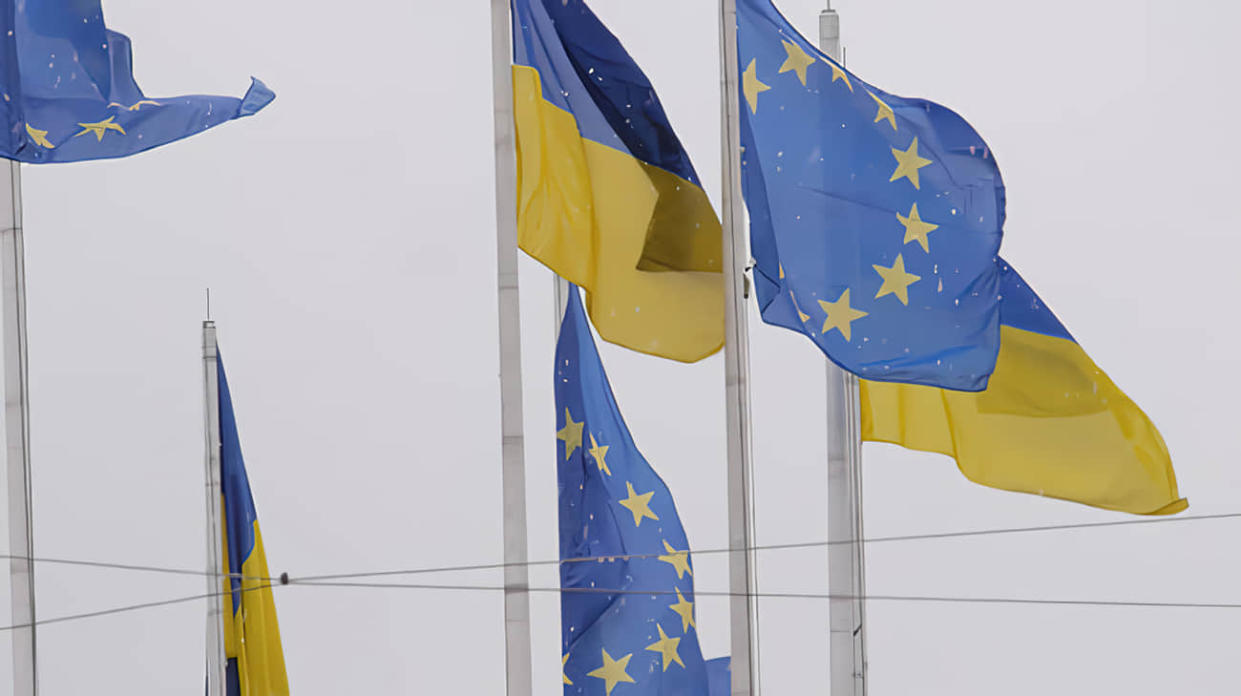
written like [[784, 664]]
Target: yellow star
[[916, 228], [667, 648], [885, 111], [613, 672], [798, 61], [800, 314], [896, 281], [135, 106], [101, 127], [599, 452], [678, 559], [571, 434], [908, 162], [752, 86], [840, 316], [39, 137], [639, 505], [838, 73], [564, 661], [685, 610]]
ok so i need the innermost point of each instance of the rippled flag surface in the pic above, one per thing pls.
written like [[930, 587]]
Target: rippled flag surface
[[628, 625], [1050, 422], [875, 220], [69, 92]]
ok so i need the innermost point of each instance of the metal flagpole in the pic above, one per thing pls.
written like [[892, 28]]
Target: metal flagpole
[[513, 459], [846, 559], [217, 662], [742, 568], [17, 436], [561, 298]]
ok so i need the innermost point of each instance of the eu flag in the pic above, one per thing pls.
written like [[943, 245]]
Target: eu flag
[[69, 91], [875, 220], [251, 633], [627, 619]]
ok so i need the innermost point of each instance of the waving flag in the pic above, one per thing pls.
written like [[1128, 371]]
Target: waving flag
[[1049, 423], [69, 91], [627, 621], [251, 633], [601, 176], [875, 220]]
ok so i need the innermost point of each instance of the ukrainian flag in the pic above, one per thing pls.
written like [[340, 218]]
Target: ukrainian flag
[[251, 634], [601, 172], [1050, 421]]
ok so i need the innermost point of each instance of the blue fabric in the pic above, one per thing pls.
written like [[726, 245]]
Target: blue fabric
[[1023, 309], [593, 523], [821, 182], [69, 92], [595, 79], [239, 513], [720, 676]]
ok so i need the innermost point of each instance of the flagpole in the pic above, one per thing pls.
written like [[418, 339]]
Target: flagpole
[[846, 558], [518, 677], [17, 437], [742, 567], [217, 662]]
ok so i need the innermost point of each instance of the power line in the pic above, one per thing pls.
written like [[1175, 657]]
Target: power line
[[788, 595], [592, 559], [127, 608], [775, 547], [142, 568]]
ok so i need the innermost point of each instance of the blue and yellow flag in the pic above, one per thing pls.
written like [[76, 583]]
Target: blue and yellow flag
[[627, 620], [251, 634], [69, 91], [875, 220], [1049, 423], [601, 172]]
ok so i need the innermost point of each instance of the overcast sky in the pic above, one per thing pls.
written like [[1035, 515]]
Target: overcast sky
[[347, 233]]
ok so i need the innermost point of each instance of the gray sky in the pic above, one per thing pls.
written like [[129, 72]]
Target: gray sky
[[347, 233]]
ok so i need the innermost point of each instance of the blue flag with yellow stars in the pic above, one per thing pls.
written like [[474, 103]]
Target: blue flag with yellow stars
[[875, 220], [627, 620], [69, 91]]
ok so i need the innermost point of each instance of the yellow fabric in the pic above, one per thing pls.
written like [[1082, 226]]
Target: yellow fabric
[[585, 210], [252, 635], [1050, 423]]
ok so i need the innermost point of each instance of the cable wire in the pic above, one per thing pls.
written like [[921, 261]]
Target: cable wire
[[128, 608], [789, 595], [774, 547], [592, 559]]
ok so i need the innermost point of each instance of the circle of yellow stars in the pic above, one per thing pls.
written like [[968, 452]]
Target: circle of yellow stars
[[896, 280]]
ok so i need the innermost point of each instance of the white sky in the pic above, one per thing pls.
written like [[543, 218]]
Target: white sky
[[347, 233]]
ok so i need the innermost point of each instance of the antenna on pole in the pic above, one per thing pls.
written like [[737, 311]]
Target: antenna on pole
[[208, 304]]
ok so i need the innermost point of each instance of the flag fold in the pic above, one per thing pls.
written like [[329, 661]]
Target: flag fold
[[1050, 422]]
